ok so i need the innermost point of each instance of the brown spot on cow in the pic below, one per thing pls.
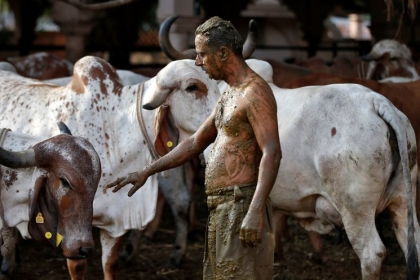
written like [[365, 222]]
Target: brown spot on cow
[[333, 131], [10, 177]]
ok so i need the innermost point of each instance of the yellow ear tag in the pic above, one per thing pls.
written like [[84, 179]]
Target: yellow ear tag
[[169, 144], [58, 239], [48, 235], [39, 219]]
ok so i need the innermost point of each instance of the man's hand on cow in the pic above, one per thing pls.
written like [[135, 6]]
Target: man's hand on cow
[[250, 233], [136, 178]]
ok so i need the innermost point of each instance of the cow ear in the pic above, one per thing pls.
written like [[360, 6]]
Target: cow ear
[[166, 133], [39, 180], [43, 218]]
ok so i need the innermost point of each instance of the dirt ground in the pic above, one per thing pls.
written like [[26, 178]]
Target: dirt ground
[[39, 261]]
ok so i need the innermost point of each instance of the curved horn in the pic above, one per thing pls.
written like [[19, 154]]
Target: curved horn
[[63, 128], [169, 50], [21, 159], [166, 45], [251, 40], [97, 6]]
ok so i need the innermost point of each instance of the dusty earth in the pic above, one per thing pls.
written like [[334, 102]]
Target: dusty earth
[[39, 261]]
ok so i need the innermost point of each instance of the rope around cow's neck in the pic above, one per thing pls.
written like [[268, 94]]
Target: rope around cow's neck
[[7, 234], [140, 120]]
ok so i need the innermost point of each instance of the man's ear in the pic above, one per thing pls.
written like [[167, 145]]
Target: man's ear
[[223, 53]]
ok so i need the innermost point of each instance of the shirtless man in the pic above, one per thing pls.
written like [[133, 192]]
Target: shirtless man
[[242, 166]]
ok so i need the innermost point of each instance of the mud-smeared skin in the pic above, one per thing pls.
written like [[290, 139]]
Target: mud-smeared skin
[[246, 151]]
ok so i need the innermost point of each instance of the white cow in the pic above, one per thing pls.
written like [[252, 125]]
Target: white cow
[[48, 188], [390, 61], [95, 105], [127, 77], [348, 154]]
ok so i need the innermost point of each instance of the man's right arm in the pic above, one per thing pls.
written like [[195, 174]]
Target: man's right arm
[[182, 153], [186, 150]]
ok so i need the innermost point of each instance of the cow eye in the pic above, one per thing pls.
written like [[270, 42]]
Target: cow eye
[[192, 88], [65, 183]]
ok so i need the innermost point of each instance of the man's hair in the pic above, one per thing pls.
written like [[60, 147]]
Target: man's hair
[[219, 33]]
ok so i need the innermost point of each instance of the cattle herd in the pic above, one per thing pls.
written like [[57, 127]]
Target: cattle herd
[[348, 135]]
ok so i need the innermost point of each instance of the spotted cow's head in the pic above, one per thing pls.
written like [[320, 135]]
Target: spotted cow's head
[[389, 58], [66, 177]]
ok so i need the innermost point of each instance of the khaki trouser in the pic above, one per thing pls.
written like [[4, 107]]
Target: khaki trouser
[[224, 256]]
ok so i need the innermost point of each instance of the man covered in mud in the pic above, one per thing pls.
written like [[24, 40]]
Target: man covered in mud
[[242, 165]]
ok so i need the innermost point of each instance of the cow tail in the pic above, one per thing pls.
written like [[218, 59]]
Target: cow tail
[[389, 114]]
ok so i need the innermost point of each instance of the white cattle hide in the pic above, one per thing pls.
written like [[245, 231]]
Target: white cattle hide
[[127, 77], [95, 105], [341, 165]]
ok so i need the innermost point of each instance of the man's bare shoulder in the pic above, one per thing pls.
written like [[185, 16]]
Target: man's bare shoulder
[[258, 88]]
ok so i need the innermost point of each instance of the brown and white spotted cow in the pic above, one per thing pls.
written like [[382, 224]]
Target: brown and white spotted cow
[[41, 66], [47, 189], [97, 106]]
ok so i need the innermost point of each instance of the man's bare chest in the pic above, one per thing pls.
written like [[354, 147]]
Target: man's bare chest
[[231, 115]]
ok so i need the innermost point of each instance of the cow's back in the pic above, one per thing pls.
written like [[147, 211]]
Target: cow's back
[[330, 133]]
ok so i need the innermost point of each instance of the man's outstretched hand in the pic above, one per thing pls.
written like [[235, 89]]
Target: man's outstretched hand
[[136, 178]]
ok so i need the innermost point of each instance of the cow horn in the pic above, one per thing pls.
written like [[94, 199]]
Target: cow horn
[[96, 6], [166, 45], [63, 128], [169, 50], [251, 40], [21, 159]]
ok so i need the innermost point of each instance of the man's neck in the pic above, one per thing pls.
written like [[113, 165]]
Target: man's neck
[[236, 71]]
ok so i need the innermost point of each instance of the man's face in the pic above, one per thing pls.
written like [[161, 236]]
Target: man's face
[[206, 59]]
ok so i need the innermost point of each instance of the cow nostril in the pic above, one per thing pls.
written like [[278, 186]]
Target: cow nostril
[[86, 251]]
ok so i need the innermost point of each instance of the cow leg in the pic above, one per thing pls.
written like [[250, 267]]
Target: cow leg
[[131, 243], [281, 232], [77, 269], [192, 169], [400, 224], [110, 250], [318, 246], [153, 226], [9, 263], [178, 197], [366, 242], [133, 237]]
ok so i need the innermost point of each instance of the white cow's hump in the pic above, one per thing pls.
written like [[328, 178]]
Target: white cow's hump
[[95, 72]]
